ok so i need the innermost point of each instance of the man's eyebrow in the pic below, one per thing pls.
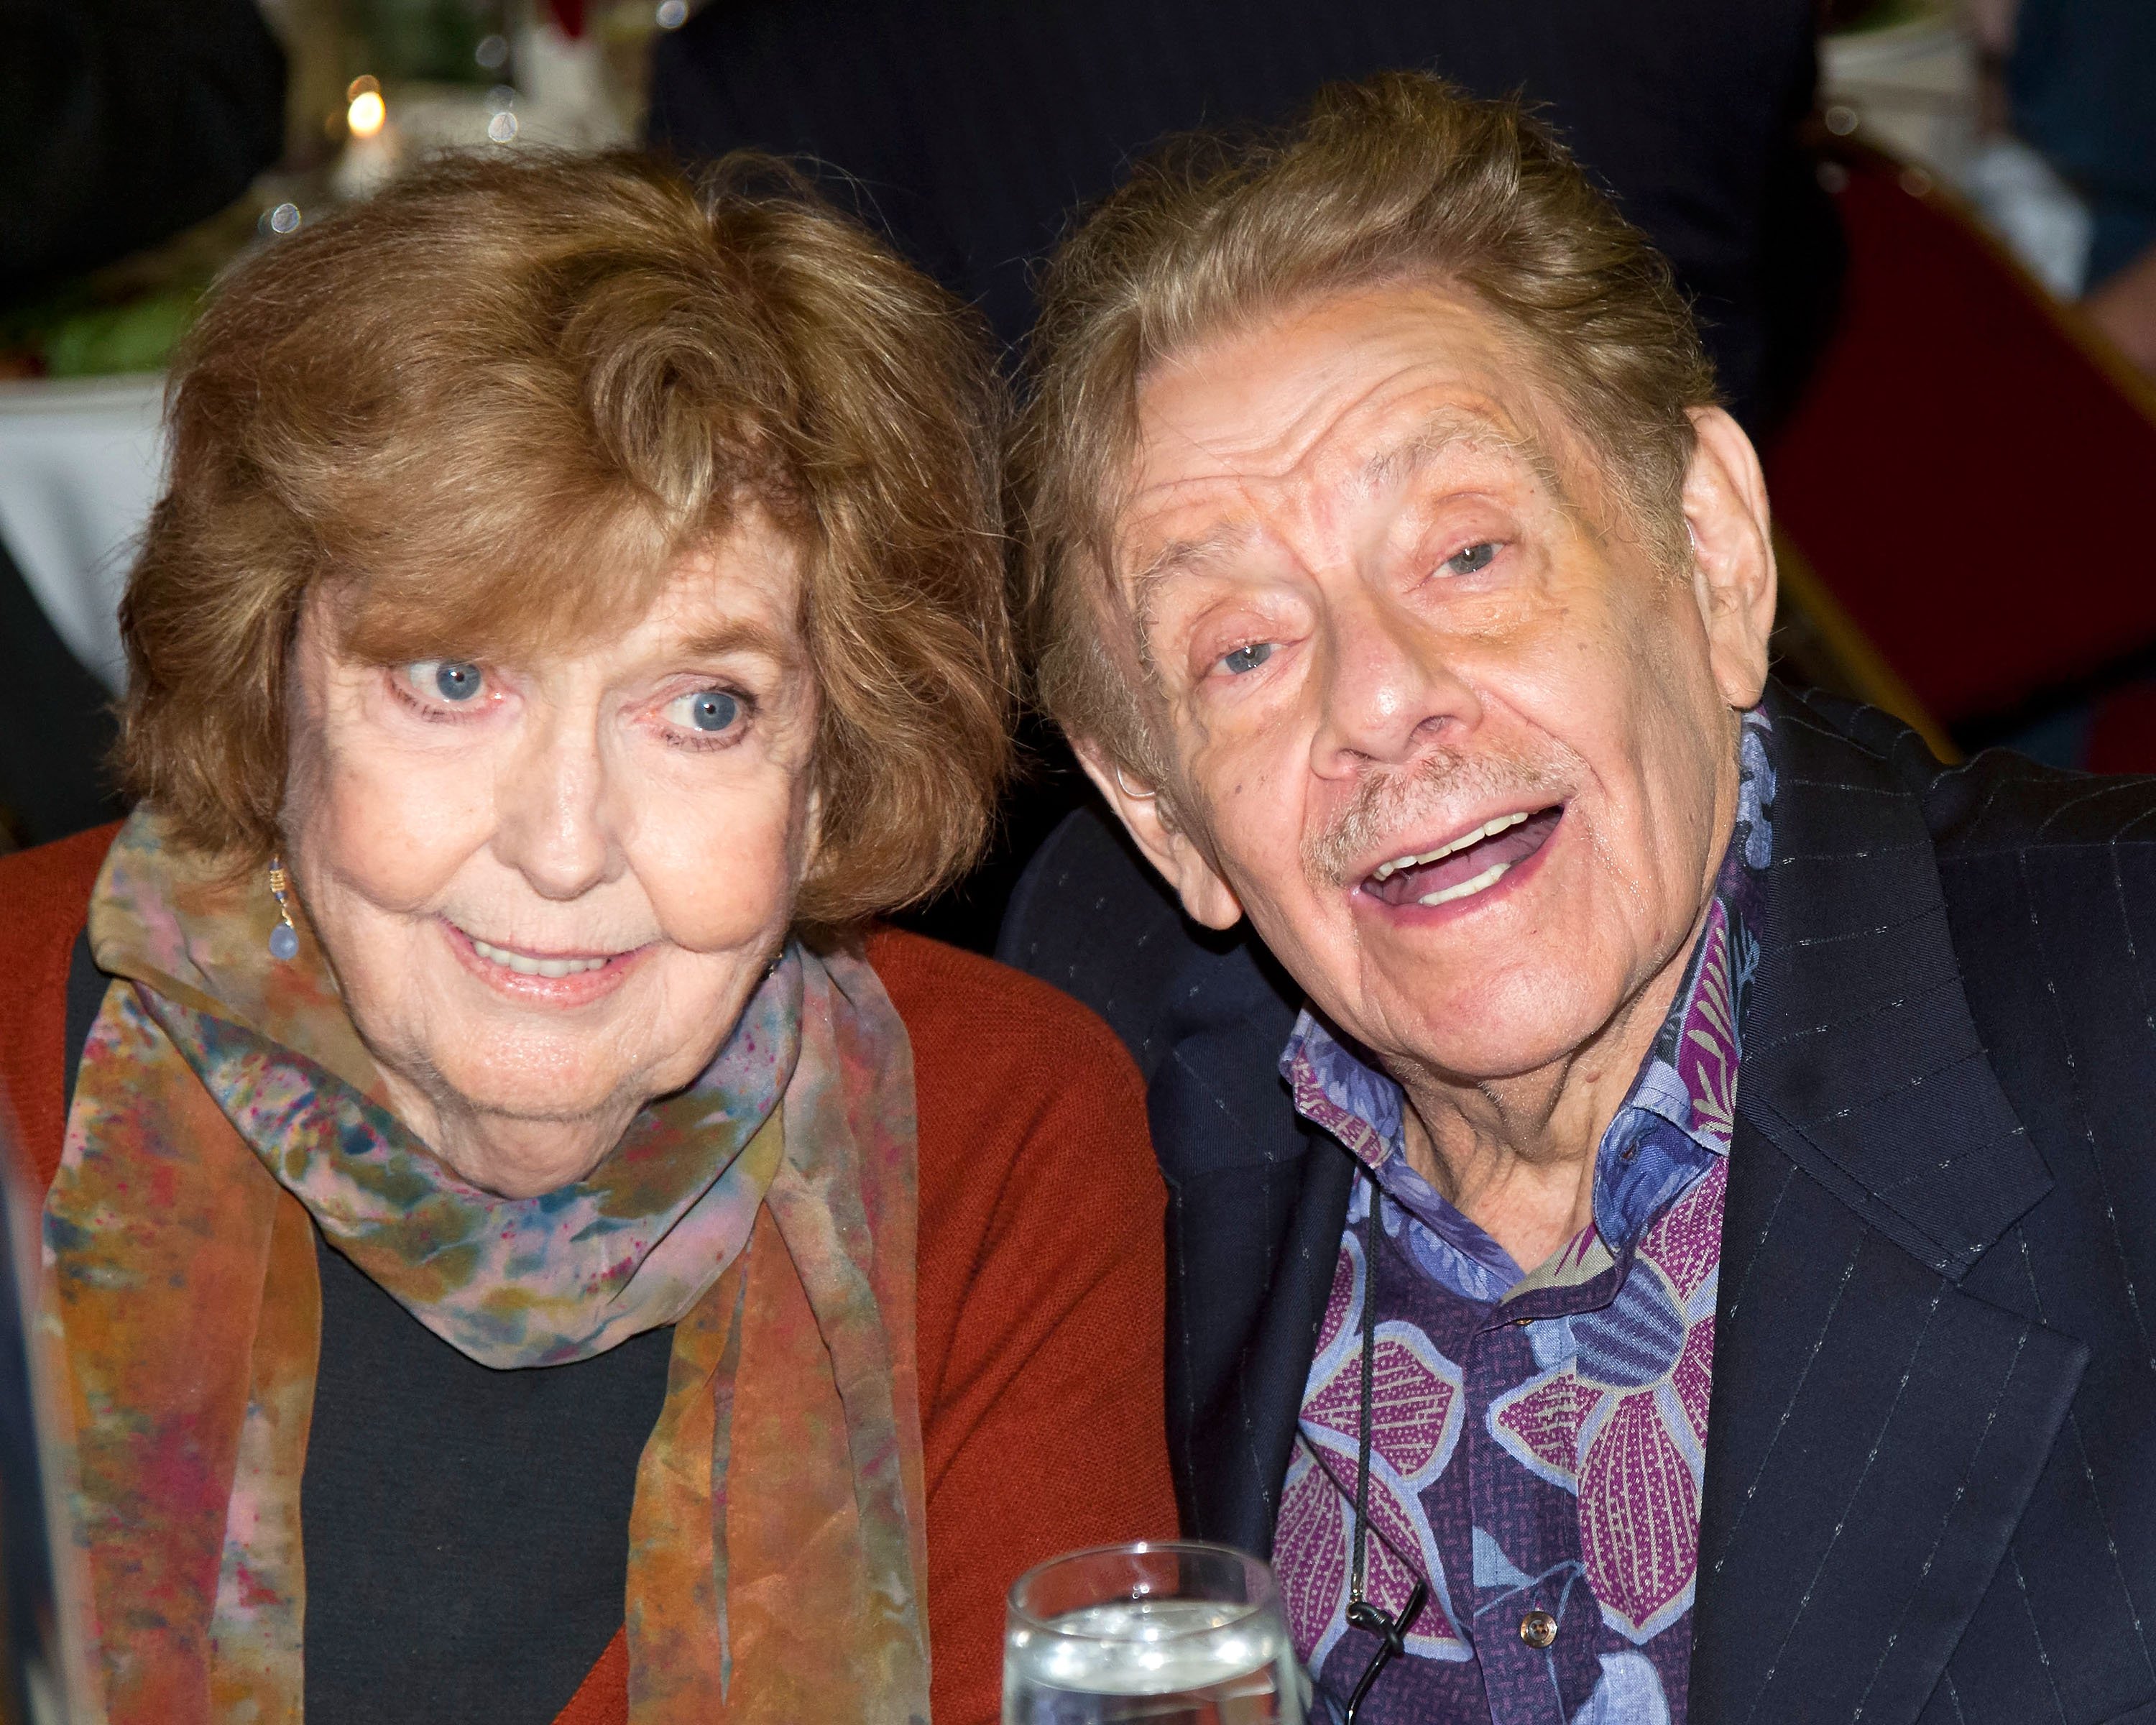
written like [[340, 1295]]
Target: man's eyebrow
[[1449, 429], [1174, 558], [1178, 555], [1181, 553]]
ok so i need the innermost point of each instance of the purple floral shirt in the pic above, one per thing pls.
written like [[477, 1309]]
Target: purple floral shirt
[[1538, 1437]]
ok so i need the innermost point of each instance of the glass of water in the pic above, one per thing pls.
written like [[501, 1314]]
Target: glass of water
[[1168, 1633]]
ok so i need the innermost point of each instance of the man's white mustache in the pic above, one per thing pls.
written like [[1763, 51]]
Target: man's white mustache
[[1388, 803]]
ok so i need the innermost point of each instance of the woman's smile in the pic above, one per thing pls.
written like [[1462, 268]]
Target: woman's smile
[[548, 979]]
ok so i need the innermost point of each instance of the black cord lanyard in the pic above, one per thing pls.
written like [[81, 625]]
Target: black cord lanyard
[[1391, 1631]]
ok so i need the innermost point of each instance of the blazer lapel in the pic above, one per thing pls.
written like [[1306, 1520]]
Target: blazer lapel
[[1256, 1198], [1874, 1430]]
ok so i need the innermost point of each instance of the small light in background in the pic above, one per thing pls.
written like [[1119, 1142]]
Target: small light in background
[[1840, 120], [672, 14], [283, 219], [502, 127], [492, 52], [368, 160], [501, 96], [366, 113]]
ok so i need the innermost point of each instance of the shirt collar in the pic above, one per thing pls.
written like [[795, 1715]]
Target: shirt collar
[[1688, 1082]]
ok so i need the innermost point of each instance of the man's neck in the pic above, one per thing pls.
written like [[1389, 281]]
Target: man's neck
[[1516, 1156]]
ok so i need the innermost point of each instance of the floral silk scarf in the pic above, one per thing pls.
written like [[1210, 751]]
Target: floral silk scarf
[[226, 1109]]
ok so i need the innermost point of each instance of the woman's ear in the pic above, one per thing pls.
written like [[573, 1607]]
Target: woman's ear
[[1208, 898], [1732, 554]]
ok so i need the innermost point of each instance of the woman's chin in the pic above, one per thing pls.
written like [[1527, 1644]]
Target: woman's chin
[[525, 1145]]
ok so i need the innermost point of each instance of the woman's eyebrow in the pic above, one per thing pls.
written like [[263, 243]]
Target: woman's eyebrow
[[742, 636]]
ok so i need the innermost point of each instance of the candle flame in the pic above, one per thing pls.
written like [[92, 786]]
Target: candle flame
[[366, 113]]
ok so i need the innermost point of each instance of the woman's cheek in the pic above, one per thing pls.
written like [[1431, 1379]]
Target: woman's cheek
[[399, 836], [722, 871]]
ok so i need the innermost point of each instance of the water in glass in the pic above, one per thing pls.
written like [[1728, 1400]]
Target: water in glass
[[1158, 1655]]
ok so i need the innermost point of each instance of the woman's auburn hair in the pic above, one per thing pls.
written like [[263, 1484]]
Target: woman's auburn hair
[[491, 409]]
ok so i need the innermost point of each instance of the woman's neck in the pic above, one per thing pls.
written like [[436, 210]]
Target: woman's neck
[[511, 1156]]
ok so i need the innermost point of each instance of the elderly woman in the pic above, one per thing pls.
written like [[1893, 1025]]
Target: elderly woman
[[575, 612]]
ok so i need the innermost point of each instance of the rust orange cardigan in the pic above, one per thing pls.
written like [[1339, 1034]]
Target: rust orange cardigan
[[1040, 1268]]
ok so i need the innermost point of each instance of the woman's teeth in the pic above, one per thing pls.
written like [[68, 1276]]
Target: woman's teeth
[[533, 966], [1488, 829]]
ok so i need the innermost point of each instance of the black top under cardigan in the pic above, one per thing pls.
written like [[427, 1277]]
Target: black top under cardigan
[[465, 1529]]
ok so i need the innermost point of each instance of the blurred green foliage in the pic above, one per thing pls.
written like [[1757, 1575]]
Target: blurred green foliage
[[73, 334], [434, 40], [104, 339]]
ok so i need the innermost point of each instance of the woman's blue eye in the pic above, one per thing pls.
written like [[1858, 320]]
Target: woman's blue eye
[[708, 710], [1248, 658], [456, 680], [1473, 560]]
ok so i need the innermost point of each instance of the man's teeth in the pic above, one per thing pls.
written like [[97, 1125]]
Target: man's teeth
[[1488, 877], [1488, 829], [534, 966]]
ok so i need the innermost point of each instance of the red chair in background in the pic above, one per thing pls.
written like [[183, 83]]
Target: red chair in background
[[1967, 484]]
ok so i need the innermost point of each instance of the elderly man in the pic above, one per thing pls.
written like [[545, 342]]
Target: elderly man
[[1407, 595]]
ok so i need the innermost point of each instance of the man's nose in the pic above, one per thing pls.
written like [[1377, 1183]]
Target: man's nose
[[1388, 689], [554, 824]]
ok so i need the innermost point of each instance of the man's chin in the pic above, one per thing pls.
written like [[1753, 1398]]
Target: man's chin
[[1506, 1023]]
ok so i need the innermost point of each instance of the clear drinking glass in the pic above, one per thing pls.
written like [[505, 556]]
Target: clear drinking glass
[[1167, 1632]]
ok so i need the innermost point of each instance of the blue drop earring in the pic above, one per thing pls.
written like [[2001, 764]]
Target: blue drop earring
[[284, 938]]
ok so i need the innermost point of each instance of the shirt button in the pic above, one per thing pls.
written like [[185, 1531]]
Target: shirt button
[[1539, 1629]]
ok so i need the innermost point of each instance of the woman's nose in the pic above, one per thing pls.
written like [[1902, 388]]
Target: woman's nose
[[1388, 691], [552, 808]]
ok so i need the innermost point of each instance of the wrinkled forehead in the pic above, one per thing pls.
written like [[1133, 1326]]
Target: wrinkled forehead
[[1202, 518], [1347, 399]]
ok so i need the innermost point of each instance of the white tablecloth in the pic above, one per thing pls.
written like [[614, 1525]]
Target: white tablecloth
[[81, 462]]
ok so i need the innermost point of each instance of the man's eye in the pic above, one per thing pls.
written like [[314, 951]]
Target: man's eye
[[1247, 659], [457, 681], [708, 710], [1471, 561]]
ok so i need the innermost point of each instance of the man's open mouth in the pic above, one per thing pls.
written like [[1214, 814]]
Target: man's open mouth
[[1474, 862]]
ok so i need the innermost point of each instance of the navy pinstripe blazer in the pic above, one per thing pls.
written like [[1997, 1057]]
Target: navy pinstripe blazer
[[1931, 1478]]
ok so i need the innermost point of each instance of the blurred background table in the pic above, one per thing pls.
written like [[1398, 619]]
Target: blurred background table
[[80, 466]]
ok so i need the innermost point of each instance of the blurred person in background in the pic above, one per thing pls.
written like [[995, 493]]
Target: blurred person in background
[[1661, 1201], [576, 612], [121, 123], [2080, 83], [975, 131]]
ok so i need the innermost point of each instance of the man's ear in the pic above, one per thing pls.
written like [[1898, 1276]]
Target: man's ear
[[1725, 506], [1207, 898]]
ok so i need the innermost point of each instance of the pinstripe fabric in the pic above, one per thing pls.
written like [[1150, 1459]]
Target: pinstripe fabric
[[1931, 1479]]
